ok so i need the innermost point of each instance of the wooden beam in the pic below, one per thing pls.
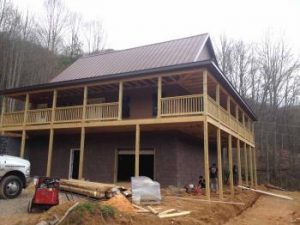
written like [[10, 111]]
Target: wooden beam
[[230, 164], [137, 151], [220, 171], [120, 100], [218, 98], [205, 100], [3, 109], [238, 144], [23, 140], [81, 157], [251, 166], [50, 150], [246, 164], [159, 93], [206, 159], [228, 104], [255, 168], [54, 102], [85, 99], [26, 109]]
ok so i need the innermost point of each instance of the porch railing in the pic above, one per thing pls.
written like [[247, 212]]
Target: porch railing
[[103, 111], [69, 113], [39, 116], [182, 105], [13, 118]]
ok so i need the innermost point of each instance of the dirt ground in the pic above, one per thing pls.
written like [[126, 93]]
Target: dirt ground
[[257, 210]]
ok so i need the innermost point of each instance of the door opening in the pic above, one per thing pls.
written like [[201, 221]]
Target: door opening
[[74, 163], [125, 164]]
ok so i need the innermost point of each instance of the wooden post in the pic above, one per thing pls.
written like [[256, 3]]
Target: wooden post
[[218, 99], [206, 158], [23, 140], [137, 151], [237, 112], [50, 150], [26, 109], [243, 115], [54, 101], [159, 92], [3, 109], [246, 164], [228, 104], [251, 166], [205, 100], [255, 169], [239, 160], [220, 171], [230, 164], [85, 98], [81, 157], [120, 100]]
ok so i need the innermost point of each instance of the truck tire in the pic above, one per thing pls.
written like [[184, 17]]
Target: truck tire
[[10, 187]]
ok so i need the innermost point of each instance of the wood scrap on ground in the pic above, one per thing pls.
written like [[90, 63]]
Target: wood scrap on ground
[[169, 215], [208, 201], [67, 213], [271, 186], [266, 193]]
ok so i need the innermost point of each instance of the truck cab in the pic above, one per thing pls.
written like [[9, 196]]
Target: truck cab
[[14, 176]]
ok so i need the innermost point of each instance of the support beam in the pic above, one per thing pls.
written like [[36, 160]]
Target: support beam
[[81, 157], [251, 166], [239, 161], [228, 104], [85, 98], [23, 140], [206, 159], [54, 101], [220, 171], [26, 109], [218, 98], [50, 150], [159, 93], [255, 168], [230, 164], [120, 100], [137, 151], [246, 164], [3, 109], [205, 100]]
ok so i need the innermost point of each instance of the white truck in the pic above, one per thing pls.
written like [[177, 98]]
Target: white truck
[[14, 176]]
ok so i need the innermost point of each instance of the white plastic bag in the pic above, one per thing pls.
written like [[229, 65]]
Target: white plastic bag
[[145, 189]]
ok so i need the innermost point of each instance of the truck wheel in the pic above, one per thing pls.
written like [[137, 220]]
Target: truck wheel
[[10, 187]]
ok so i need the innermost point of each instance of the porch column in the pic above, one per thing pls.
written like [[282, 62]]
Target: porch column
[[85, 98], [159, 91], [228, 104], [23, 140], [26, 109], [251, 166], [137, 151], [50, 150], [220, 172], [206, 159], [120, 100], [246, 164], [205, 92], [230, 164], [54, 100], [239, 161], [3, 109], [81, 157], [255, 169]]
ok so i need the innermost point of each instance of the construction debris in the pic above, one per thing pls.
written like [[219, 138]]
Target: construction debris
[[208, 201], [121, 203], [266, 193], [271, 186], [169, 215], [67, 213]]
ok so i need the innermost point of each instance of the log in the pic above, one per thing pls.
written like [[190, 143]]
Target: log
[[93, 186], [209, 201], [266, 193], [81, 191], [174, 214], [67, 213]]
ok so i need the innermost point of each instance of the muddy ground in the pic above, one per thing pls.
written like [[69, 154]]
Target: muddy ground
[[257, 210]]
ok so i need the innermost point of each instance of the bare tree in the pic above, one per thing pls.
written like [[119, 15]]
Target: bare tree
[[94, 36]]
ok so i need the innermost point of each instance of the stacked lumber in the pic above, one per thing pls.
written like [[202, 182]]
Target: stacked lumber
[[86, 188]]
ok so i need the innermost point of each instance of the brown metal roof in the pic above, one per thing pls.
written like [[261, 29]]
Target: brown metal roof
[[169, 53]]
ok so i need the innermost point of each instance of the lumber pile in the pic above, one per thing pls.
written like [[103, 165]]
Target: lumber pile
[[86, 188]]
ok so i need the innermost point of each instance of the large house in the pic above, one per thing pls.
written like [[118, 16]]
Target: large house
[[163, 110]]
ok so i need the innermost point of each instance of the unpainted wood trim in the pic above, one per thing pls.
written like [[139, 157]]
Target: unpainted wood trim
[[50, 151], [137, 151], [206, 159], [230, 164], [220, 170]]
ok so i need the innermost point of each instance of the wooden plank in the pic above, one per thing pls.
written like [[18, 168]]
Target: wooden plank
[[174, 214], [137, 151], [208, 201], [50, 151], [220, 171], [167, 211], [23, 140], [266, 193], [159, 93], [246, 164], [206, 159], [26, 109], [230, 164], [120, 100], [155, 212], [205, 100], [85, 99], [239, 161], [54, 102], [81, 157]]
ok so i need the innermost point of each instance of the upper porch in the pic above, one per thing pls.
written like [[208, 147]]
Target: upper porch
[[161, 97]]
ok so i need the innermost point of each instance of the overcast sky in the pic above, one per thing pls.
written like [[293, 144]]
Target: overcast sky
[[137, 22]]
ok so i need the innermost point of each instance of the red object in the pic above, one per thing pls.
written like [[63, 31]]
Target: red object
[[46, 194]]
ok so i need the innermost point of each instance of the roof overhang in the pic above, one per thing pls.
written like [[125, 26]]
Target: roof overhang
[[209, 64]]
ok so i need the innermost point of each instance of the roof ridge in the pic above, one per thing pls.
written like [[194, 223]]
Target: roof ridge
[[146, 45]]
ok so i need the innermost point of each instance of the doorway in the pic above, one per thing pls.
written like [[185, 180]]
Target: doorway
[[74, 163], [125, 164]]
